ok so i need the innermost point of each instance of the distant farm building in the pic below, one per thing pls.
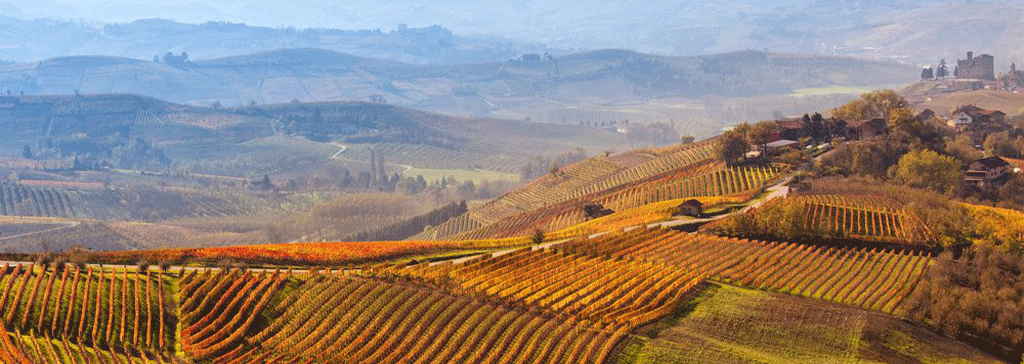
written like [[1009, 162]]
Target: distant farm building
[[865, 129], [925, 115], [978, 123], [981, 67], [799, 187], [987, 170], [789, 128], [530, 57], [782, 145], [973, 117], [594, 211], [691, 207]]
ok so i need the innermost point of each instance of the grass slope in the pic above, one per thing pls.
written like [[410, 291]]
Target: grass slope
[[727, 324], [1007, 102]]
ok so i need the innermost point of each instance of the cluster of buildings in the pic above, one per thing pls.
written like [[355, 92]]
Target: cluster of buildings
[[788, 131], [975, 122]]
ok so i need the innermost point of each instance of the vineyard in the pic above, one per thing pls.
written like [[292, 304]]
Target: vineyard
[[349, 319], [93, 314], [309, 254], [997, 226], [573, 182], [527, 306], [862, 217], [218, 309], [17, 200], [583, 301], [646, 214], [556, 202], [149, 204], [872, 279]]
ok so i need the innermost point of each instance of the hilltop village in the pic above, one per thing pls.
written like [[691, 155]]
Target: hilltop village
[[982, 149], [972, 73]]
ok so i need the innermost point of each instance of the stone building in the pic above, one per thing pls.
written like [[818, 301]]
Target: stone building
[[981, 67]]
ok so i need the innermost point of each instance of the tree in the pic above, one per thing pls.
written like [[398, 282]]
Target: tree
[[927, 73], [1000, 145], [901, 119], [686, 139], [817, 128], [760, 134], [732, 147], [537, 237], [927, 169], [871, 105]]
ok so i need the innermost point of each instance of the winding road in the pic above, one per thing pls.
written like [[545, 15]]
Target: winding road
[[342, 148]]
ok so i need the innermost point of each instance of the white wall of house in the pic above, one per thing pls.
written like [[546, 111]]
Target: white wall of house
[[961, 119]]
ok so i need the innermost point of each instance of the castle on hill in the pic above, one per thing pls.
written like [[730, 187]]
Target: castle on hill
[[973, 68], [981, 67]]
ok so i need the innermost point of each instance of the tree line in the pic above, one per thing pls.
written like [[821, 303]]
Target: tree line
[[412, 226]]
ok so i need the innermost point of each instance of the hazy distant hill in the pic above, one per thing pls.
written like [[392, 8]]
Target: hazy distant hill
[[140, 132], [33, 40], [608, 76]]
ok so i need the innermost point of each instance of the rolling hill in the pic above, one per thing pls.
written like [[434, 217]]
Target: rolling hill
[[603, 77], [194, 138], [490, 291]]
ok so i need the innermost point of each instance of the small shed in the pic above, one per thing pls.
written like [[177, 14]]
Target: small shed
[[691, 207], [594, 210], [799, 187]]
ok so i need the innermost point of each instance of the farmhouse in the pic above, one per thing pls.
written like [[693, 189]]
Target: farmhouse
[[789, 129], [865, 129], [973, 117], [691, 207], [978, 123], [987, 170]]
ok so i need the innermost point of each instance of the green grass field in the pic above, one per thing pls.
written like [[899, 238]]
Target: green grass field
[[726, 324]]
